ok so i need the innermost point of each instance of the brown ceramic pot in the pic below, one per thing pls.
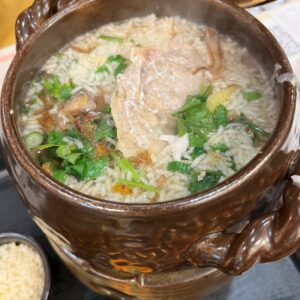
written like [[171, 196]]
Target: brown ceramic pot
[[153, 251]]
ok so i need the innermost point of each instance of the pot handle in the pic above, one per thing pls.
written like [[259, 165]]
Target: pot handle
[[265, 239], [35, 16]]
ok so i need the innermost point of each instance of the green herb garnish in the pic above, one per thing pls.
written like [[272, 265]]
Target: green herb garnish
[[60, 91], [181, 127], [111, 38], [210, 180], [126, 166], [102, 69], [220, 147], [106, 109], [120, 64], [195, 119], [87, 168], [140, 185], [259, 133], [233, 165], [197, 152], [59, 175], [220, 116], [73, 158], [103, 130], [252, 95], [177, 166]]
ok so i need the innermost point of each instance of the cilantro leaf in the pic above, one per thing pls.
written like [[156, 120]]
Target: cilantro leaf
[[197, 152], [59, 175], [177, 166], [65, 150], [220, 147], [196, 140], [55, 138], [210, 180], [181, 128], [220, 116], [199, 121], [191, 102], [53, 87], [73, 157], [86, 168], [103, 130]]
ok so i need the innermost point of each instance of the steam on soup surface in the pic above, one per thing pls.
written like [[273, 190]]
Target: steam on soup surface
[[148, 110]]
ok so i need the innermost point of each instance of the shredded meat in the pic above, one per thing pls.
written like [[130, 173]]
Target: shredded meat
[[215, 51]]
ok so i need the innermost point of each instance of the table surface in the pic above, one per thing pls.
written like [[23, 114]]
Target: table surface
[[274, 281]]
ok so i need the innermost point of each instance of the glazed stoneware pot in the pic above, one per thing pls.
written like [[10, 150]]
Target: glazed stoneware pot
[[180, 249]]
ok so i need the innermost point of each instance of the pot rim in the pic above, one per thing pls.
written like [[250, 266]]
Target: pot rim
[[274, 144]]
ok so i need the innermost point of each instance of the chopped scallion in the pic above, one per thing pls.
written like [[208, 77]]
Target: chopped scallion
[[111, 38], [140, 185], [33, 140]]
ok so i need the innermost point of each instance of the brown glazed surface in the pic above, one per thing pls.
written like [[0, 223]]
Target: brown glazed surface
[[134, 248]]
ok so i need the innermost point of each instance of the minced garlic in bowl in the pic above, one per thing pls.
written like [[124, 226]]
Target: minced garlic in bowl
[[22, 274]]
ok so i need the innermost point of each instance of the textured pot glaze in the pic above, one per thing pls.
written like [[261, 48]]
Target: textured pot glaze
[[146, 251]]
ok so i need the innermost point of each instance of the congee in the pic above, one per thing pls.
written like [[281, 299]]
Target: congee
[[147, 110]]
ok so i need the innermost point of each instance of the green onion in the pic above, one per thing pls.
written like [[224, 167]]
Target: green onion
[[140, 185], [220, 147], [233, 165], [33, 140], [252, 95], [111, 38], [126, 166], [197, 152], [177, 166]]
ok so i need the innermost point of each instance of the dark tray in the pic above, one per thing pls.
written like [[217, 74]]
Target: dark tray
[[274, 281]]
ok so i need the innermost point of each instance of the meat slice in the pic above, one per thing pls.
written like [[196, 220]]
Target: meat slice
[[154, 86]]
